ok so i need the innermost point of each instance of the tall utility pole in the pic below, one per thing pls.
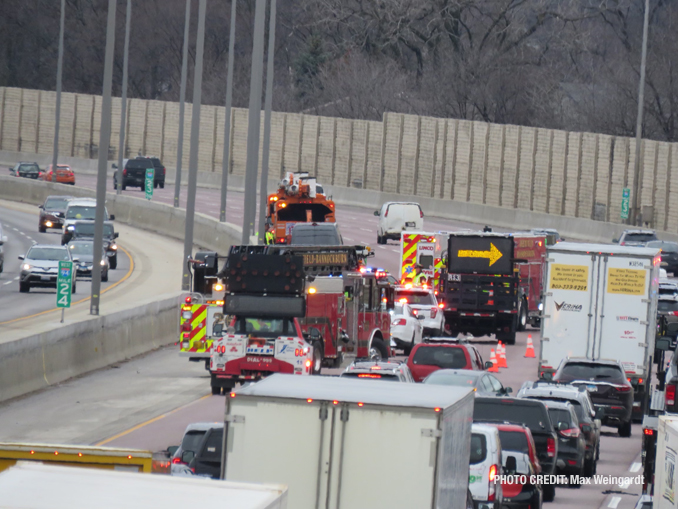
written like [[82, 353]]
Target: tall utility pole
[[254, 117], [263, 189], [195, 142], [57, 113], [182, 100], [123, 100], [637, 186], [227, 121], [104, 142]]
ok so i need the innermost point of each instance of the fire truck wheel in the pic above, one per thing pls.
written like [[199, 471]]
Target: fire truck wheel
[[317, 358], [378, 351]]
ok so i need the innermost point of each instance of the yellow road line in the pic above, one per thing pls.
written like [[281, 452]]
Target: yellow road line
[[126, 276], [150, 421]]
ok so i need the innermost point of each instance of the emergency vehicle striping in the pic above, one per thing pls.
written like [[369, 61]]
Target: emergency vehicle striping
[[198, 331]]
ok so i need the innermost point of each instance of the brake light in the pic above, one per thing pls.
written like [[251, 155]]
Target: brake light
[[493, 472], [421, 213], [400, 322], [434, 312], [671, 394], [177, 461], [386, 213], [623, 388], [570, 433], [124, 172], [441, 305], [163, 170], [188, 300], [368, 375], [622, 243], [221, 349], [648, 431], [550, 447]]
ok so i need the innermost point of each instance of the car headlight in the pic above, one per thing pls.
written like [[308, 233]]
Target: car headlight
[[102, 262], [113, 247], [541, 306], [48, 224], [71, 228], [25, 266]]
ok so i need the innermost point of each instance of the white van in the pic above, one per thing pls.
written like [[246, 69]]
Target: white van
[[82, 208], [397, 217], [484, 465]]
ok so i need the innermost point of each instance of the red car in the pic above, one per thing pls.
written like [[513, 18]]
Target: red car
[[430, 356], [519, 457]]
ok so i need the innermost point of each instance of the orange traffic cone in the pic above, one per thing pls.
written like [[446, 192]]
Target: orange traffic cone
[[493, 360], [501, 355], [529, 351]]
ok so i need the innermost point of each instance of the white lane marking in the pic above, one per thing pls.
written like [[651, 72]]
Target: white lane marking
[[614, 502], [17, 278], [7, 282], [625, 485], [396, 251], [367, 230], [635, 467], [22, 233], [348, 238], [16, 230]]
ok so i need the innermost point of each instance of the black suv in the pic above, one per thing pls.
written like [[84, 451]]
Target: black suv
[[534, 415], [607, 385], [207, 460], [26, 170], [52, 212], [588, 417], [134, 173], [84, 230], [669, 254]]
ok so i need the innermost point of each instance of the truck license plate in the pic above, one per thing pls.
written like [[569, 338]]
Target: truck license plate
[[410, 223]]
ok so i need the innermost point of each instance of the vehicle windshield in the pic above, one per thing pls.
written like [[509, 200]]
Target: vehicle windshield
[[192, 440], [578, 409], [29, 167], [667, 305], [56, 203], [265, 327], [416, 298], [560, 415], [478, 448], [512, 410], [378, 376], [514, 441], [454, 379], [48, 253], [88, 229], [315, 237], [667, 247], [86, 248], [639, 237], [81, 212], [587, 371], [139, 164], [446, 357]]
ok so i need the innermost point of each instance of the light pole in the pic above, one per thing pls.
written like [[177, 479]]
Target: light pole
[[195, 142], [254, 118], [123, 100], [57, 113], [263, 189], [182, 98], [104, 142], [227, 121], [637, 187]]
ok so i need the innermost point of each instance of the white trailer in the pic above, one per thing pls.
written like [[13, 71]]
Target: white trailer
[[600, 302], [33, 485], [350, 443], [665, 465]]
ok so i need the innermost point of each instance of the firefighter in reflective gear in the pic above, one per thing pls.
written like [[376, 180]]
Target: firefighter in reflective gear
[[270, 238], [419, 277]]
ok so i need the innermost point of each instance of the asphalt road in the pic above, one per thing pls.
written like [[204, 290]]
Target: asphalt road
[[21, 229], [147, 402]]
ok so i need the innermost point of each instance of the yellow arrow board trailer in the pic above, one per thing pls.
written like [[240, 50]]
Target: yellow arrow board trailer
[[133, 460], [36, 486]]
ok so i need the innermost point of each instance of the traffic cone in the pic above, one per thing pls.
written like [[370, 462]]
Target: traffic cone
[[529, 351], [501, 355], [493, 360]]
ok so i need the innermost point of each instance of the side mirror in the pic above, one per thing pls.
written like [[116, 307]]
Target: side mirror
[[111, 217], [76, 260], [21, 257], [547, 376], [663, 344], [116, 235], [41, 206], [488, 364], [508, 390], [562, 426], [314, 334], [615, 241], [511, 465], [376, 213], [114, 166], [218, 329], [172, 449], [187, 456]]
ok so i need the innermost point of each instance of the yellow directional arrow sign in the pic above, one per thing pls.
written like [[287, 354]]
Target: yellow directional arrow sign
[[493, 254]]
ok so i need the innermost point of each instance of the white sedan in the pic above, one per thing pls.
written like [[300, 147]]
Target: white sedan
[[424, 304], [406, 329]]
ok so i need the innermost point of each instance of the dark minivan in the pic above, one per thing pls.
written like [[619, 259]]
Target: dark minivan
[[534, 415]]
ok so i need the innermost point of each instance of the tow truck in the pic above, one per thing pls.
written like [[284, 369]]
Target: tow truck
[[201, 308], [299, 199], [297, 308]]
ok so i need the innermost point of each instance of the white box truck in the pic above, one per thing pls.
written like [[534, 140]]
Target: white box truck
[[34, 485], [600, 302], [341, 443], [665, 467]]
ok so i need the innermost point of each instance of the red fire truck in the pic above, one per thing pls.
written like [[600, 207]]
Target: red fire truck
[[530, 250], [293, 309]]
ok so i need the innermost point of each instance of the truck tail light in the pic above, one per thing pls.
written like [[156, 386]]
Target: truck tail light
[[492, 476], [434, 312], [648, 431], [386, 213], [421, 213], [186, 326], [124, 172], [551, 447], [400, 322], [570, 433], [670, 394]]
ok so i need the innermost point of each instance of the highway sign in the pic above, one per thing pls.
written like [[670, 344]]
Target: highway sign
[[480, 254], [626, 194], [150, 175], [64, 284]]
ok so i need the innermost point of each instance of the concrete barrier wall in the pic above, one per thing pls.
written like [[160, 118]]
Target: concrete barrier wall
[[34, 362], [38, 361]]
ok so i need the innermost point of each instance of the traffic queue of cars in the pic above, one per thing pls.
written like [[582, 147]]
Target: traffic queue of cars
[[76, 219]]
